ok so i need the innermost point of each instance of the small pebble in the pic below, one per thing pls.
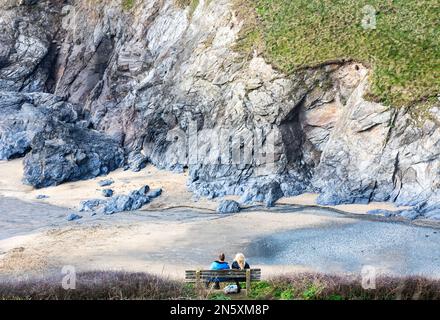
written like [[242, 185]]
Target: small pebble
[[105, 183], [108, 193], [73, 217]]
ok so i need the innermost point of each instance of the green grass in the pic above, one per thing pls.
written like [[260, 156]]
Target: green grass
[[219, 296], [128, 4], [403, 49]]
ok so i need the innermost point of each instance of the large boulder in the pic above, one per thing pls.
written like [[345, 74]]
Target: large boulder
[[23, 116], [267, 193], [67, 152], [228, 206]]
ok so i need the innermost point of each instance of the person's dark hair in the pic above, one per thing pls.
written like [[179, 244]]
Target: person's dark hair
[[221, 257]]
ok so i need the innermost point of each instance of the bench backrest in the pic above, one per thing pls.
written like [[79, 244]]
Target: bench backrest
[[207, 275]]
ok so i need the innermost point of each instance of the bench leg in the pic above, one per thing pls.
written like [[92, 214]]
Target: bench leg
[[198, 283], [248, 282]]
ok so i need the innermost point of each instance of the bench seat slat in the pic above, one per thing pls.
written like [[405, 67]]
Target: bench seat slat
[[224, 276], [233, 270], [253, 271], [221, 275], [221, 280]]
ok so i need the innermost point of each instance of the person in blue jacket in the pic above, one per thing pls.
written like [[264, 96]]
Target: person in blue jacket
[[219, 264]]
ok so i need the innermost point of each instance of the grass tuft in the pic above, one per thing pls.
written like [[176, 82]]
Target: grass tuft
[[127, 5]]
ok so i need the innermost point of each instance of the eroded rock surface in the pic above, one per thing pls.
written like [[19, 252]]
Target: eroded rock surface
[[168, 87], [23, 116], [68, 152]]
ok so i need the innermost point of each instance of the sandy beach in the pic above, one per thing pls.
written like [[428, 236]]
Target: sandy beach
[[176, 194], [178, 232]]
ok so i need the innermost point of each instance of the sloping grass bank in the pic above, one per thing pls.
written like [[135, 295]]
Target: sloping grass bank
[[329, 287], [96, 286], [135, 286], [398, 39]]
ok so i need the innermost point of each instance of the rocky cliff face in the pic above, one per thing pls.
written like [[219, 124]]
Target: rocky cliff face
[[162, 84]]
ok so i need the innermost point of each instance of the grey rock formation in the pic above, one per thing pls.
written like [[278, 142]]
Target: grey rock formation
[[167, 85], [73, 217], [105, 183], [384, 213], [107, 193], [154, 193], [120, 203], [228, 206], [69, 153], [90, 205], [23, 116]]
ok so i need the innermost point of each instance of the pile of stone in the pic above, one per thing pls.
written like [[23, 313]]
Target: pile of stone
[[119, 203], [228, 206]]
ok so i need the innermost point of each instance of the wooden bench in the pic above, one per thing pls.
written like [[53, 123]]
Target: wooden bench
[[202, 277]]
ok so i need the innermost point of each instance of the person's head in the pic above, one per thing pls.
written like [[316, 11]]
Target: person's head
[[221, 257], [241, 260]]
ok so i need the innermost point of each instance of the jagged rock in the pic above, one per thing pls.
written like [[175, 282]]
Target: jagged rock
[[410, 214], [118, 204], [107, 193], [26, 115], [154, 193], [268, 194], [69, 153], [137, 161], [122, 203], [27, 54], [133, 201], [105, 183], [90, 205], [228, 206], [140, 197], [384, 213], [73, 217], [144, 190], [139, 201], [151, 78]]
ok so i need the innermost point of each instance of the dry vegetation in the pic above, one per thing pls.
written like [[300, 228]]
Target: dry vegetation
[[306, 286]]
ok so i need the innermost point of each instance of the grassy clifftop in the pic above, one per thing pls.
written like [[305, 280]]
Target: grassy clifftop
[[398, 39]]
